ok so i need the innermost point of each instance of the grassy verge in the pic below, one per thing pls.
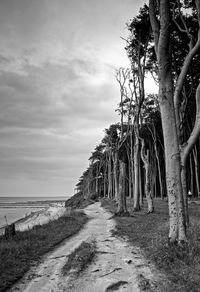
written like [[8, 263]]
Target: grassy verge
[[149, 232], [19, 253], [80, 258]]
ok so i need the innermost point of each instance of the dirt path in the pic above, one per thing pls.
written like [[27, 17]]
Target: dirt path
[[117, 266]]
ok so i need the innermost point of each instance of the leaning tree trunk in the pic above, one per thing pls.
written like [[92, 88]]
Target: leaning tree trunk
[[148, 193]]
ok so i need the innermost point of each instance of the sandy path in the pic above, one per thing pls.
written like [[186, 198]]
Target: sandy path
[[116, 262]]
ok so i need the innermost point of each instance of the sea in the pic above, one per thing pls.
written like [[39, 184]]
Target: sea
[[15, 208]]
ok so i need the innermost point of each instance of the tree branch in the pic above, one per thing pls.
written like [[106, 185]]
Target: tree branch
[[154, 23], [183, 73], [187, 147]]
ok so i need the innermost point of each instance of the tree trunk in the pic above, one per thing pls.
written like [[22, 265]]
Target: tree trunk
[[104, 180], [141, 189], [136, 176], [196, 170], [109, 176], [129, 176], [158, 162], [191, 176], [148, 192], [173, 177], [172, 153], [122, 207], [132, 164], [185, 195], [97, 186]]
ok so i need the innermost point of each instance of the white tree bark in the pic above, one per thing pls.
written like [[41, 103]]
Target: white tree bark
[[136, 197], [122, 207], [166, 102], [109, 175], [145, 159]]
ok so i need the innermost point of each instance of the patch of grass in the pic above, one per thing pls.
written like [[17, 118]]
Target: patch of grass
[[20, 252], [80, 258], [150, 233]]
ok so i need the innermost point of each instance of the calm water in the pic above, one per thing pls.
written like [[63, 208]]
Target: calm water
[[30, 199], [14, 214]]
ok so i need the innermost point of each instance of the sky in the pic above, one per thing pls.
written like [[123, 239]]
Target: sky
[[58, 60]]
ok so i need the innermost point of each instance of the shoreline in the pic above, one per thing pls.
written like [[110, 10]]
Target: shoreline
[[19, 253], [30, 203], [48, 210]]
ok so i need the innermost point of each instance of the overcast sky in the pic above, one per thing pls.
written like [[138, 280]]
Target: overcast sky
[[57, 88]]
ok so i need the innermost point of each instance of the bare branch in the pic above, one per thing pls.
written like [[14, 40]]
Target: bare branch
[[185, 30]]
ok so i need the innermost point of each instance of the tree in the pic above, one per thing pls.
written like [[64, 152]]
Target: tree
[[172, 154], [137, 49], [97, 160], [123, 78], [193, 39]]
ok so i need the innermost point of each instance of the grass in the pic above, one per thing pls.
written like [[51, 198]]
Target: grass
[[80, 258], [149, 232], [19, 253]]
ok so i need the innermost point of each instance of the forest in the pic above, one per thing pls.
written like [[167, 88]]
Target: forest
[[154, 149]]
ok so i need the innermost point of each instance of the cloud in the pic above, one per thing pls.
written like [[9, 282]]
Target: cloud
[[57, 87], [49, 96], [52, 117]]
